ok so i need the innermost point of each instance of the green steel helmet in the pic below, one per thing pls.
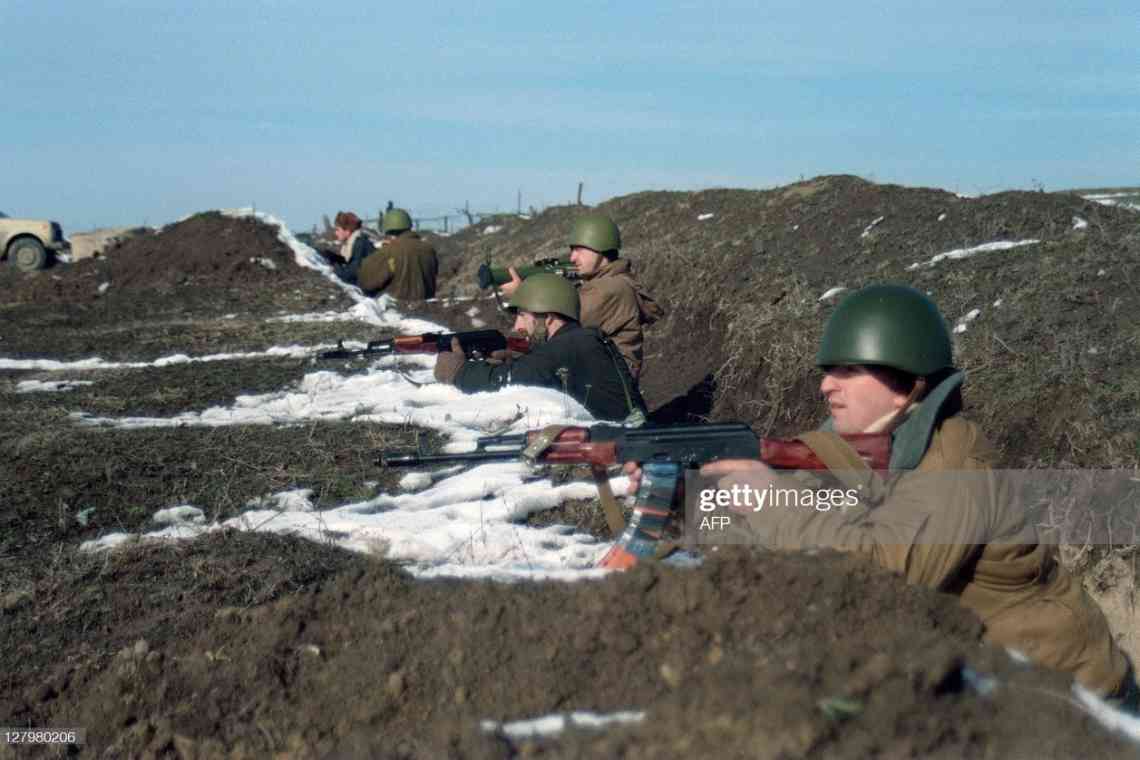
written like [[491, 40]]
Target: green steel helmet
[[597, 232], [396, 220], [890, 326], [547, 293]]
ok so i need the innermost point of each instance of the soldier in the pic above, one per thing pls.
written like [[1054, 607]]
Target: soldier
[[355, 246], [577, 360], [405, 266], [611, 299], [941, 516]]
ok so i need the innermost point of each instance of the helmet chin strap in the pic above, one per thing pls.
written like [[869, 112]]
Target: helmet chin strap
[[888, 422]]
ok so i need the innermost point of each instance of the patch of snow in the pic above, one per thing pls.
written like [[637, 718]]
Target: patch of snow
[[704, 217], [555, 724], [942, 217], [961, 327], [997, 303], [478, 323], [872, 226], [964, 253], [415, 481], [181, 515], [298, 500], [321, 316], [47, 386], [103, 287], [1112, 199], [491, 229], [1079, 224], [832, 292], [95, 363]]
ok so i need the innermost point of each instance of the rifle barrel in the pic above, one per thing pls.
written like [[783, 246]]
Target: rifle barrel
[[415, 459]]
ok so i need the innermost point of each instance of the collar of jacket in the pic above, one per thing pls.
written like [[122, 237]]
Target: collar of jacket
[[566, 329], [610, 268], [910, 439]]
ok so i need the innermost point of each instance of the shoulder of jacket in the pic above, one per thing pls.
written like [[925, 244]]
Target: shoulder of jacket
[[613, 286], [958, 440]]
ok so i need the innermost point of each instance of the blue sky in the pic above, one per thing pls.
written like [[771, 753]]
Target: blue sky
[[124, 112]]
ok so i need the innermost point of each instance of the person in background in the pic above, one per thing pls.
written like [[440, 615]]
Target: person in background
[[355, 246], [405, 266], [611, 298], [576, 360]]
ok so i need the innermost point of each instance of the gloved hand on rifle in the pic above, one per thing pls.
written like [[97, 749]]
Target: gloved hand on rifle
[[448, 363]]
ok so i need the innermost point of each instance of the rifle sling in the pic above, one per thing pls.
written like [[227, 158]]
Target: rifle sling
[[843, 461], [610, 508]]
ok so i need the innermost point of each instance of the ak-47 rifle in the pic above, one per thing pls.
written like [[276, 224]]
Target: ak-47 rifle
[[478, 344], [493, 277], [664, 453]]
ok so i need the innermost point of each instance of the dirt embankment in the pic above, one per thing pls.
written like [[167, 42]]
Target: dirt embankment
[[742, 273], [253, 645], [750, 655]]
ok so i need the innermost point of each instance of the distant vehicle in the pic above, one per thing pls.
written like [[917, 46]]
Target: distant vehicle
[[30, 244]]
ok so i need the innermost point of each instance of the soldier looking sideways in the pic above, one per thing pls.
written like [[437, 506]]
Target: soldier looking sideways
[[941, 516], [611, 299], [577, 360], [355, 246]]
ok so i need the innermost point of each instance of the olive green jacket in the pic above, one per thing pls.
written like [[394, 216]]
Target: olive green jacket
[[404, 268]]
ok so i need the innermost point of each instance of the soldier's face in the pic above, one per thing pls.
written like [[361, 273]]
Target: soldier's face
[[525, 322], [587, 260], [857, 397]]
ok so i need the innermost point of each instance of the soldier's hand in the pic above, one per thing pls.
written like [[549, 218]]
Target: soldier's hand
[[448, 363], [502, 356], [509, 288], [734, 472]]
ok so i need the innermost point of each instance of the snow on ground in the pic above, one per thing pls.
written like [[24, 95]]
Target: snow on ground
[[93, 363], [552, 725], [1116, 199], [40, 386], [874, 223], [456, 521], [964, 253]]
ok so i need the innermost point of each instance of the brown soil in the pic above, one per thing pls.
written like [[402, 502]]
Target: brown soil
[[255, 645], [312, 653]]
